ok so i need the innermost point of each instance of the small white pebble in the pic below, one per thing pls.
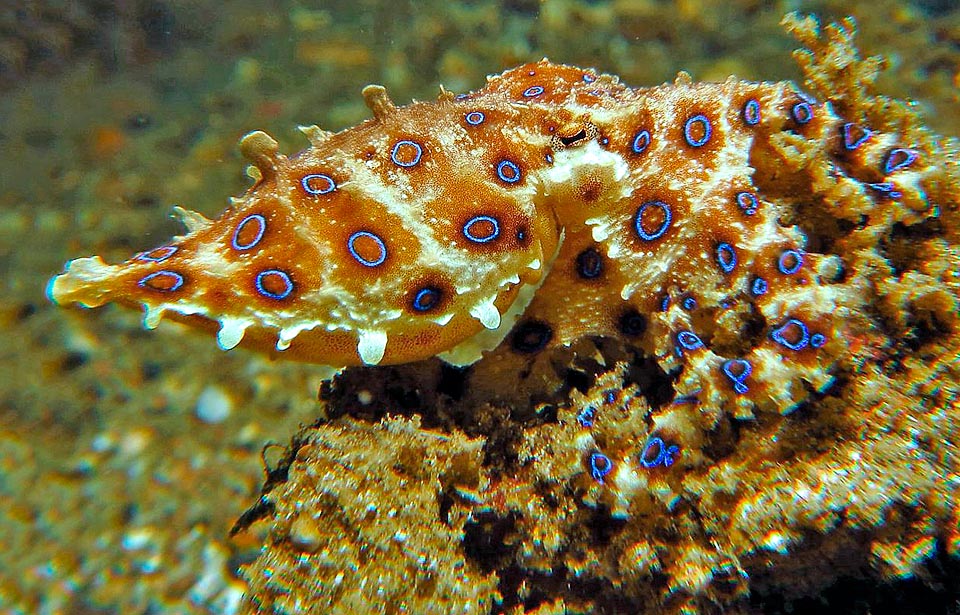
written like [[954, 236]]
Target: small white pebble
[[213, 405], [365, 397]]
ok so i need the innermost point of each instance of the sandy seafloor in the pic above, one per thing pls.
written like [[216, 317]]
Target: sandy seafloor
[[117, 486]]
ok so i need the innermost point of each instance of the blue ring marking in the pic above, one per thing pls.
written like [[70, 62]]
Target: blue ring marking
[[802, 113], [426, 299], [899, 158], [585, 417], [461, 97], [474, 118], [533, 90], [779, 335], [817, 340], [689, 303], [689, 340], [640, 142], [745, 369], [751, 112], [469, 235], [283, 275], [236, 233], [396, 148], [168, 251], [610, 397], [665, 303], [797, 257], [514, 169], [163, 273], [886, 189], [851, 140], [748, 202], [549, 158], [600, 466], [759, 287], [638, 220], [589, 264], [307, 180], [664, 454], [587, 77], [353, 251], [726, 257], [707, 130]]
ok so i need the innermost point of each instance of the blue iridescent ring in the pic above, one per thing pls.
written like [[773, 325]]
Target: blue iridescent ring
[[600, 466], [748, 202], [474, 118], [360, 259], [261, 223], [656, 452], [790, 262], [533, 90], [737, 370], [817, 340], [151, 256], [640, 142], [854, 135], [585, 417], [793, 328], [588, 78], [418, 152], [688, 340], [163, 273], [468, 233], [283, 276], [426, 299], [704, 121], [726, 257], [751, 112], [327, 184], [508, 171], [802, 113], [659, 232], [899, 158], [886, 189], [759, 287], [689, 303]]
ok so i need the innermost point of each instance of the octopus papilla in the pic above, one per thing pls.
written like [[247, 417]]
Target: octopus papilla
[[553, 204]]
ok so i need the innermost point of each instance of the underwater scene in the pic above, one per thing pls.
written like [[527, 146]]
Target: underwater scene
[[486, 307]]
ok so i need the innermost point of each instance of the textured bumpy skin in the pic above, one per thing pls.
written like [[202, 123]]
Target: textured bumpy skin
[[555, 202]]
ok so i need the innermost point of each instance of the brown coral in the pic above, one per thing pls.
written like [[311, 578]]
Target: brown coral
[[370, 520]]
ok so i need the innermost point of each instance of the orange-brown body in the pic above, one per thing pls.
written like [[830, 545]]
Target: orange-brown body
[[554, 203]]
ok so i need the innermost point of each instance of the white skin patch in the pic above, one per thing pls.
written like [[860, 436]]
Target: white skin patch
[[231, 332], [487, 313], [371, 346]]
